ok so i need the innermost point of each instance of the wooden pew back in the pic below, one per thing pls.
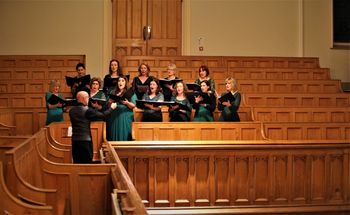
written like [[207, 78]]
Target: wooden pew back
[[75, 184], [297, 100], [253, 174], [10, 204], [59, 131], [294, 114], [197, 131], [307, 131]]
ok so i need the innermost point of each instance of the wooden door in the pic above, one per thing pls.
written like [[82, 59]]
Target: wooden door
[[131, 16]]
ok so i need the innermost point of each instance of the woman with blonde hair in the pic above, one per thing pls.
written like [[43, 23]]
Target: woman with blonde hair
[[54, 111], [230, 101]]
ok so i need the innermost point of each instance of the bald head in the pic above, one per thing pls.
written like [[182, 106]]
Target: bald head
[[83, 97]]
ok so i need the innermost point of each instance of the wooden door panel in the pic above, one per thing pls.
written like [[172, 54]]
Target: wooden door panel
[[129, 19]]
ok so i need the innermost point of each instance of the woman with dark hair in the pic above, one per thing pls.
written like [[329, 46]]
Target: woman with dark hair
[[119, 123], [230, 101], [153, 113], [110, 80], [204, 104], [141, 82], [80, 82], [203, 75], [96, 94]]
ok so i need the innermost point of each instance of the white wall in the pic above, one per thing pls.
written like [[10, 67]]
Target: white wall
[[54, 27], [229, 27], [242, 27], [318, 39], [264, 28]]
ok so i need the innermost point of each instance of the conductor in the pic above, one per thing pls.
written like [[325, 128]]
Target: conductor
[[81, 117]]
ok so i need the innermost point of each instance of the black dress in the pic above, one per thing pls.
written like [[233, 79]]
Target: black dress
[[230, 113], [139, 87]]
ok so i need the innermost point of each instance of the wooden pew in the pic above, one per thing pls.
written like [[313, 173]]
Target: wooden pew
[[222, 61], [32, 87], [69, 181], [297, 100], [307, 131], [59, 130], [277, 73], [197, 131], [124, 191], [7, 130], [278, 86], [10, 204], [218, 73], [9, 142], [244, 177], [301, 114]]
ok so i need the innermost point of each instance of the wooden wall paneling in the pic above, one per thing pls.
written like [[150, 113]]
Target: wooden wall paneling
[[221, 194], [280, 176], [183, 189], [318, 178], [24, 122], [336, 187], [202, 180], [261, 172], [299, 178], [242, 173], [162, 174], [143, 178], [6, 116]]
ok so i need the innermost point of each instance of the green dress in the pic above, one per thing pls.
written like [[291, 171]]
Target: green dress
[[120, 121], [205, 109], [54, 114]]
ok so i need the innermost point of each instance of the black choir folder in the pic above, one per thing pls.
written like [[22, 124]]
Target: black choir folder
[[227, 97], [193, 87], [81, 81], [127, 95], [164, 81], [141, 103], [191, 96], [65, 102], [101, 102]]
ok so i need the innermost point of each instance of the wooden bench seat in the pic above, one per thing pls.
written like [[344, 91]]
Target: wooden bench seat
[[197, 131], [301, 114], [297, 100], [11, 204], [307, 131], [69, 181]]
